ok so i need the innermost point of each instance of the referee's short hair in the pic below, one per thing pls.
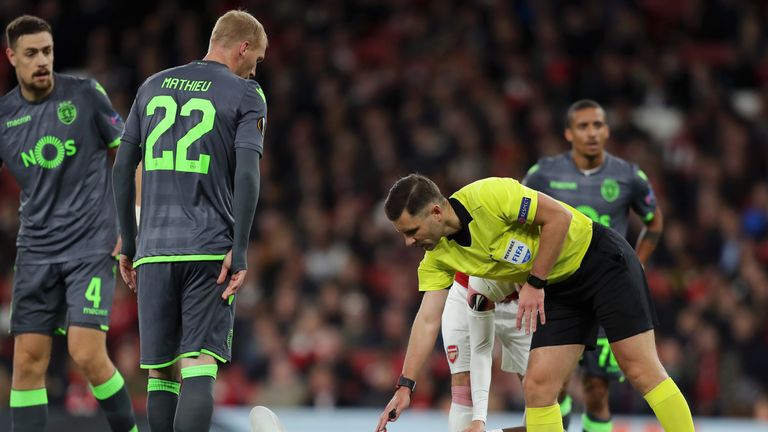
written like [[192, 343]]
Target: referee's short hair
[[413, 193], [25, 25], [578, 106], [236, 26]]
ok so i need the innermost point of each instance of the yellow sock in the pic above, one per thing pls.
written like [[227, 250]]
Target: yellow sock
[[670, 407], [546, 419]]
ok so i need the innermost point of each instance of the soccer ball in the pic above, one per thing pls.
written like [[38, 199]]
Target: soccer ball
[[493, 290], [264, 420]]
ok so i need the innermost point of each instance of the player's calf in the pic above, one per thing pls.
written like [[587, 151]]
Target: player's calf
[[195, 407], [88, 350]]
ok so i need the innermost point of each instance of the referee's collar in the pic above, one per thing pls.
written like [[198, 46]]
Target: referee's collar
[[463, 237]]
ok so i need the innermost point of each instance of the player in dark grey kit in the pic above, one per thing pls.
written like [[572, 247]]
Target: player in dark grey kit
[[198, 129], [604, 188], [55, 134]]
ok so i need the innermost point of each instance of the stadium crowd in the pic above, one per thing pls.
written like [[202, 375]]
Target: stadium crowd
[[362, 92]]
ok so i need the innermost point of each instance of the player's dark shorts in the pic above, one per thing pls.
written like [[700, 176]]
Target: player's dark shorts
[[48, 298], [182, 314], [609, 289], [601, 362]]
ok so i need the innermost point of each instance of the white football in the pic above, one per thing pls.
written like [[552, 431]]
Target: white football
[[264, 420], [494, 290]]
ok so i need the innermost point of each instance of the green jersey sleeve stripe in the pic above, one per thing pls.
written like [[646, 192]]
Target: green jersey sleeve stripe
[[100, 88], [533, 169], [648, 217], [261, 93], [115, 143], [642, 175], [177, 258]]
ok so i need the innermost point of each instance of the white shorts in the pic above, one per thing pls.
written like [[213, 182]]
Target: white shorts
[[515, 344]]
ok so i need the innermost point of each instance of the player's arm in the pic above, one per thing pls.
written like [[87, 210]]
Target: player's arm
[[124, 189], [249, 147], [424, 332], [108, 121], [247, 184], [649, 236], [481, 335], [645, 205]]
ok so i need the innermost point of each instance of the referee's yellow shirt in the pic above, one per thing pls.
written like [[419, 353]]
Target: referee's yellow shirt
[[498, 239]]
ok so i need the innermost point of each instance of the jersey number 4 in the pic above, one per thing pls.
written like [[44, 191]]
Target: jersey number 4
[[166, 161]]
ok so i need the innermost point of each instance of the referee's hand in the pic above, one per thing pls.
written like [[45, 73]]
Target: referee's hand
[[400, 401], [530, 306], [235, 281]]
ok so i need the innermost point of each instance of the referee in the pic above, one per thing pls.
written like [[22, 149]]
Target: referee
[[496, 228]]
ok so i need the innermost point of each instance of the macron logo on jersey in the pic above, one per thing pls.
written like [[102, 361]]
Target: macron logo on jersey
[[522, 214], [114, 119]]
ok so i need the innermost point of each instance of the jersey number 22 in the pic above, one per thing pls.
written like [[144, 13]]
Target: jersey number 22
[[166, 161]]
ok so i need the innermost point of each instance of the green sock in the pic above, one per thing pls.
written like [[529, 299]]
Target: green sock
[[195, 407], [592, 424], [29, 410], [114, 401], [565, 410], [162, 399]]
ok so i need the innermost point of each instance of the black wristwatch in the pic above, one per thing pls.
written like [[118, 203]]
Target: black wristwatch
[[406, 382], [536, 282]]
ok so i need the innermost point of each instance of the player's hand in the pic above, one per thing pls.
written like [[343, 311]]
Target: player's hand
[[475, 426], [127, 272], [399, 403], [530, 306], [118, 245], [235, 282]]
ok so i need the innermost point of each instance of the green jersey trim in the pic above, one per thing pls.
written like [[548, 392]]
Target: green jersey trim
[[115, 143], [533, 169], [28, 398], [642, 175], [184, 355], [648, 217], [177, 258], [99, 88], [261, 93]]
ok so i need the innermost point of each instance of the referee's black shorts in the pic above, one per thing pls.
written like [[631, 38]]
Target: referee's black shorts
[[608, 289]]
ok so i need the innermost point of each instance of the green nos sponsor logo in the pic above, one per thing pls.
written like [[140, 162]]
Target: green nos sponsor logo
[[48, 152], [591, 213]]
